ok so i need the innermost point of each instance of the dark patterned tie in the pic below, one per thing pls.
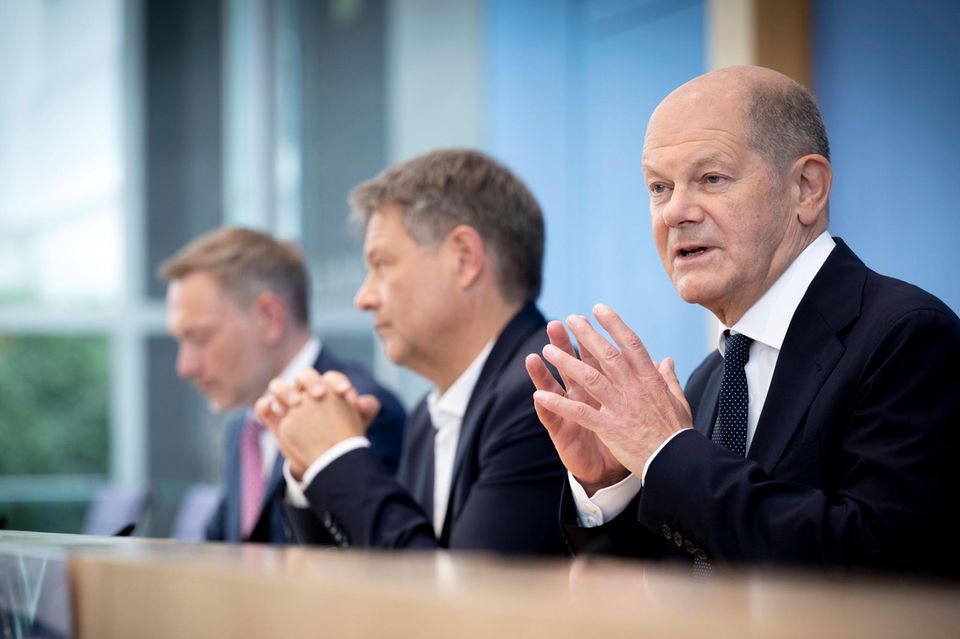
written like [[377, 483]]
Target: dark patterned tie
[[730, 431]]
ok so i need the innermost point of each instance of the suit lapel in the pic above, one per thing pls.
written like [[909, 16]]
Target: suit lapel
[[810, 351], [516, 332], [416, 464], [707, 414]]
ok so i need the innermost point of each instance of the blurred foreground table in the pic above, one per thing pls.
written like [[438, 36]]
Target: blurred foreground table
[[100, 588]]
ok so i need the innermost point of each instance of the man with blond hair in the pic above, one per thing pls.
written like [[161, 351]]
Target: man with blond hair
[[237, 305]]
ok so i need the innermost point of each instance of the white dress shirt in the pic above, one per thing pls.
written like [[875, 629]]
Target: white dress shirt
[[766, 322], [446, 413], [304, 358]]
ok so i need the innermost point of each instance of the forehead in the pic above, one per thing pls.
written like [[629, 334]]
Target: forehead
[[695, 123], [385, 229], [196, 295]]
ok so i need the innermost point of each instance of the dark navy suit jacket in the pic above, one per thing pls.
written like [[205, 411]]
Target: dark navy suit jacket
[[853, 464], [506, 473], [386, 438]]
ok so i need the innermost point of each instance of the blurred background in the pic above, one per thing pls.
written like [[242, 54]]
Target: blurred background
[[129, 127]]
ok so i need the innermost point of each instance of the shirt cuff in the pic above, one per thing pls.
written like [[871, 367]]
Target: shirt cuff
[[606, 503], [646, 467], [296, 489]]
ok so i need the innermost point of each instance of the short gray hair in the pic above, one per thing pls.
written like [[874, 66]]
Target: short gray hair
[[784, 123], [442, 189]]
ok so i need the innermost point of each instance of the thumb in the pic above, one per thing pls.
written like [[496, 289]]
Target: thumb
[[368, 406], [669, 375], [268, 413]]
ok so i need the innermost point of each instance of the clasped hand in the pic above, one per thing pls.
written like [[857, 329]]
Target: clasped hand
[[314, 414], [616, 405]]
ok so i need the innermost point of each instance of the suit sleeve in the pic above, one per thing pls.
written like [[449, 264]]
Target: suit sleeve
[[355, 501], [386, 430], [885, 470]]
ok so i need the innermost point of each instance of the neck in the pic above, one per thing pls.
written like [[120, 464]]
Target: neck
[[288, 349], [479, 325]]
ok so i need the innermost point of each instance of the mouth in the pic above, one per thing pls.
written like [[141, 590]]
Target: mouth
[[691, 251]]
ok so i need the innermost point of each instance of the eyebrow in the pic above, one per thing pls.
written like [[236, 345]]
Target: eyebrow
[[713, 158], [698, 165]]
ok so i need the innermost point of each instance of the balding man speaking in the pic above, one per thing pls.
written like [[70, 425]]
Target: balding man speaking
[[823, 429]]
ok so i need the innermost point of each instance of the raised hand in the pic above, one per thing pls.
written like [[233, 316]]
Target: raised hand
[[580, 449], [633, 404]]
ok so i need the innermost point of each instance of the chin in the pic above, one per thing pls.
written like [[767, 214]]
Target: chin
[[395, 352], [220, 405]]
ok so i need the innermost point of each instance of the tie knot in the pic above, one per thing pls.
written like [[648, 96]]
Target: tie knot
[[738, 349]]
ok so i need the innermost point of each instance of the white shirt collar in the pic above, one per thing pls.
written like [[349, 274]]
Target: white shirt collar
[[769, 318], [305, 358], [452, 404]]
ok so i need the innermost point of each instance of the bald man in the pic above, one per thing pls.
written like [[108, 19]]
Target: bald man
[[822, 430]]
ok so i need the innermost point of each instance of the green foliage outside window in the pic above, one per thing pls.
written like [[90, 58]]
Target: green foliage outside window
[[54, 397]]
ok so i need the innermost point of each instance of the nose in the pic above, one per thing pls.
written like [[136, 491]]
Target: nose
[[682, 208], [366, 298], [188, 364]]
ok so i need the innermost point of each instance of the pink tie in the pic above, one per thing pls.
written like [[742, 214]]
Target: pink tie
[[251, 467]]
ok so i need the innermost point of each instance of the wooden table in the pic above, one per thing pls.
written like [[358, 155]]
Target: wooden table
[[141, 588]]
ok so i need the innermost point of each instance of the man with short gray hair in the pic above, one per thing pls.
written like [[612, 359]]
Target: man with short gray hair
[[823, 430], [453, 246]]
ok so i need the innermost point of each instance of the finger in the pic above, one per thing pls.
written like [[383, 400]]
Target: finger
[[283, 393], [368, 406], [559, 338], [339, 382], [540, 376], [577, 412], [589, 378], [551, 421], [311, 382], [669, 375], [631, 347], [609, 358], [264, 409], [588, 357]]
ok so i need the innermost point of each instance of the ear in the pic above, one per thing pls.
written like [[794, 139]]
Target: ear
[[814, 177], [464, 247], [271, 317]]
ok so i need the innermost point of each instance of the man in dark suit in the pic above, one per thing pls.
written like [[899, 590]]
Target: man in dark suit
[[237, 306], [454, 246], [822, 431]]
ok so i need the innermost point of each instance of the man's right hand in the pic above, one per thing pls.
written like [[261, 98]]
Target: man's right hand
[[581, 451]]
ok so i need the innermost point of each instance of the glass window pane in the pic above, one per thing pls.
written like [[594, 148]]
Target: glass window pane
[[61, 162]]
